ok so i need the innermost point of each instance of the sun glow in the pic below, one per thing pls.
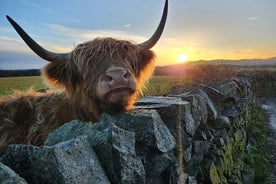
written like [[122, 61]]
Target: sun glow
[[181, 58]]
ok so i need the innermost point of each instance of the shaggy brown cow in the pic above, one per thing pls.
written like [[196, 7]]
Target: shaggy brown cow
[[100, 75]]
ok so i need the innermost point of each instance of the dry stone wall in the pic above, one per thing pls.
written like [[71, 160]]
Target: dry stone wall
[[190, 136]]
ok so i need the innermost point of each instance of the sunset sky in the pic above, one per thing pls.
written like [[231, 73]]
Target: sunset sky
[[195, 29]]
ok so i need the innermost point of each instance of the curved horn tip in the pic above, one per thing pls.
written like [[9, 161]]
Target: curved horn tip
[[157, 34]]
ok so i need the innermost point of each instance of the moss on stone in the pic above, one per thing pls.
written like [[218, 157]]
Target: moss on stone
[[214, 175]]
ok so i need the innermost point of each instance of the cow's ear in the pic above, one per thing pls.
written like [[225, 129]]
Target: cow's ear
[[61, 74], [146, 60]]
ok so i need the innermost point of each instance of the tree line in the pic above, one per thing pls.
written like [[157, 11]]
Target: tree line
[[20, 73]]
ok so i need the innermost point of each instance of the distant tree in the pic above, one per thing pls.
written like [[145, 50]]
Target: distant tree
[[18, 73]]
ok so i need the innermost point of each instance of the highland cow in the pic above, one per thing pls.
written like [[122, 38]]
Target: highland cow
[[103, 75]]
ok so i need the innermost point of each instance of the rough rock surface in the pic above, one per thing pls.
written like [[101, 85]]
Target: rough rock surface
[[72, 161], [115, 140], [115, 148], [8, 176]]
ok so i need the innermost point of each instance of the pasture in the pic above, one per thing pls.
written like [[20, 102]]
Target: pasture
[[157, 85], [10, 84]]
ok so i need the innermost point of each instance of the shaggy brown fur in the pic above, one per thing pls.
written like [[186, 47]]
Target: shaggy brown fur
[[29, 118]]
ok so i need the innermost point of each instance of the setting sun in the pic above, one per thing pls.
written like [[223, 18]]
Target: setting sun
[[181, 58]]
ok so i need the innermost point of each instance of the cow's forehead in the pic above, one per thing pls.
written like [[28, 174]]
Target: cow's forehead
[[108, 46], [97, 55], [105, 49]]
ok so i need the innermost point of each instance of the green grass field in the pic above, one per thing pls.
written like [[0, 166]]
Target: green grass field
[[10, 84], [156, 86]]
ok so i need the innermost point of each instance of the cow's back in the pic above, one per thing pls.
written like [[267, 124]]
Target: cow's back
[[27, 118]]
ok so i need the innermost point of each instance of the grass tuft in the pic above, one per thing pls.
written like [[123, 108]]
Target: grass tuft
[[257, 158]]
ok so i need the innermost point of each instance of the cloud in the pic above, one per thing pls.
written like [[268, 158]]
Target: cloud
[[126, 26], [5, 30], [17, 60], [34, 5], [15, 54], [253, 18], [241, 51], [49, 10], [14, 45], [37, 6], [81, 35]]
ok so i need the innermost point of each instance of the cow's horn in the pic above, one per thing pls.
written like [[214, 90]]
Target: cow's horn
[[155, 37], [40, 51]]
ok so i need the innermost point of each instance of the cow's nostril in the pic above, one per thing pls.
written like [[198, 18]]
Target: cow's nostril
[[107, 78]]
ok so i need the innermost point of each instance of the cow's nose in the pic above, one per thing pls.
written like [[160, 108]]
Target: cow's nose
[[120, 77]]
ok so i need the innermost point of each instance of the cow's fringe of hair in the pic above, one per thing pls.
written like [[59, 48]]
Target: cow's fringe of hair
[[102, 49]]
